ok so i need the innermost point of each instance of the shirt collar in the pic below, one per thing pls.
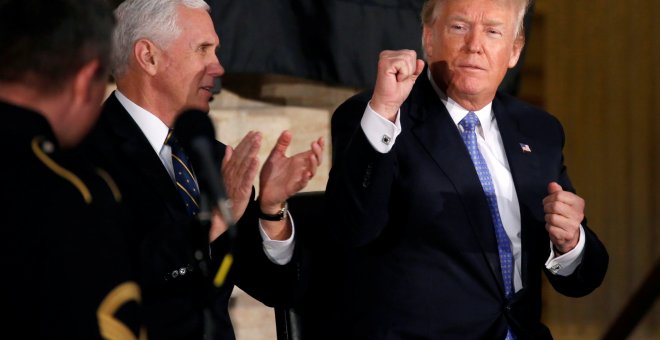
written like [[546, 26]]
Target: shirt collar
[[152, 127], [457, 112]]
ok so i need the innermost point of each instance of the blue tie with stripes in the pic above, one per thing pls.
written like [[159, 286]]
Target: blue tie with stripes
[[469, 124], [185, 179]]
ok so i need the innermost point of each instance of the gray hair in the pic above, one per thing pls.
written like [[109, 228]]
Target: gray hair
[[155, 20], [430, 13]]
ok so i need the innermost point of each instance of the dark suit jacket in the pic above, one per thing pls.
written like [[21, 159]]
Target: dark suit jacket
[[421, 254], [165, 240]]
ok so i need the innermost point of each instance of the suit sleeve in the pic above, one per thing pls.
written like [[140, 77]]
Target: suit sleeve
[[252, 270], [359, 187], [590, 273]]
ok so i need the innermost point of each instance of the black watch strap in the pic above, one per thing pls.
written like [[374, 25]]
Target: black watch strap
[[281, 214]]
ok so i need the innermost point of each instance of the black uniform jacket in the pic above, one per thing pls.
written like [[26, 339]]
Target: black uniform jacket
[[66, 267]]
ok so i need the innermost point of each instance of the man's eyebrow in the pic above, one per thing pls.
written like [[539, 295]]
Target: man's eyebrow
[[488, 22], [494, 22], [458, 17]]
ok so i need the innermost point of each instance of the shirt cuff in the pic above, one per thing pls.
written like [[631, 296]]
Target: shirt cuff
[[565, 265], [380, 132], [279, 251]]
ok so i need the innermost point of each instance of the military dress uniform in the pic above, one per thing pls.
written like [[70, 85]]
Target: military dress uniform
[[66, 268]]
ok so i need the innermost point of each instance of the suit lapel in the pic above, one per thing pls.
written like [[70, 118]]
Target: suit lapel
[[524, 165], [141, 155], [433, 127]]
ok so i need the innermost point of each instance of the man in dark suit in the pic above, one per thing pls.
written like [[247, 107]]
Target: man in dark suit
[[67, 273], [451, 199], [164, 64]]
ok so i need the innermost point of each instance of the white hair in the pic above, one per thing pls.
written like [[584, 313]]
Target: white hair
[[155, 20]]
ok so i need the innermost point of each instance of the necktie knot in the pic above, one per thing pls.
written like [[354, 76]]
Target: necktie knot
[[170, 139], [469, 122]]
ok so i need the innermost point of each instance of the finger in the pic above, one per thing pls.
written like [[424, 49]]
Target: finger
[[283, 142], [248, 148], [555, 207], [565, 203], [302, 183], [250, 174], [313, 165], [562, 222], [237, 154], [317, 150], [249, 143], [243, 145], [405, 65], [250, 159], [572, 213], [398, 63]]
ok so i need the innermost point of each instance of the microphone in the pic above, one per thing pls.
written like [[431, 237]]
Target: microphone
[[196, 134]]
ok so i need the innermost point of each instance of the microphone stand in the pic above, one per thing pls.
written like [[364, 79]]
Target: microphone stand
[[205, 217]]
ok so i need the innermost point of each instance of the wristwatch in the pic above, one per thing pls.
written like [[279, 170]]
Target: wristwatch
[[280, 215]]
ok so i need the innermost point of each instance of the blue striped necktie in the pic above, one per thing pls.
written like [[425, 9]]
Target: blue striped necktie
[[184, 177], [469, 124]]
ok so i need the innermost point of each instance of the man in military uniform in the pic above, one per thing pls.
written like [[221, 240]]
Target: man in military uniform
[[66, 273]]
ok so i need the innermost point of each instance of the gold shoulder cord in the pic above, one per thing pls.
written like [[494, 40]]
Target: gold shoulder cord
[[116, 193], [59, 170], [111, 327]]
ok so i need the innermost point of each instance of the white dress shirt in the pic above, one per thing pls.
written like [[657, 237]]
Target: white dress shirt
[[382, 134], [279, 252]]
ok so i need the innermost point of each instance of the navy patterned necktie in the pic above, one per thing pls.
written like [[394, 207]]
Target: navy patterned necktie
[[184, 177], [469, 124]]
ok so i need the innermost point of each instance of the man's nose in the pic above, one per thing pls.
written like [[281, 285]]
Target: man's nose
[[474, 41], [215, 69]]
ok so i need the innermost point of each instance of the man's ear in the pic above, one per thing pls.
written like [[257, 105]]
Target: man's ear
[[518, 45], [83, 82], [427, 40], [146, 55]]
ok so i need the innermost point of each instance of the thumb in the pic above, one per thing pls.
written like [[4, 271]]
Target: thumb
[[554, 187], [228, 152], [419, 67]]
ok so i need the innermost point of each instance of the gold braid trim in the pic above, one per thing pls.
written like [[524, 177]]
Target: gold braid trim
[[116, 193], [59, 170], [111, 327]]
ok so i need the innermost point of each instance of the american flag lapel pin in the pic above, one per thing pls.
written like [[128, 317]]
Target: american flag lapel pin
[[525, 148]]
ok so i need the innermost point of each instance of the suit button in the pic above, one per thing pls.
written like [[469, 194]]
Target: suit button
[[175, 273]]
